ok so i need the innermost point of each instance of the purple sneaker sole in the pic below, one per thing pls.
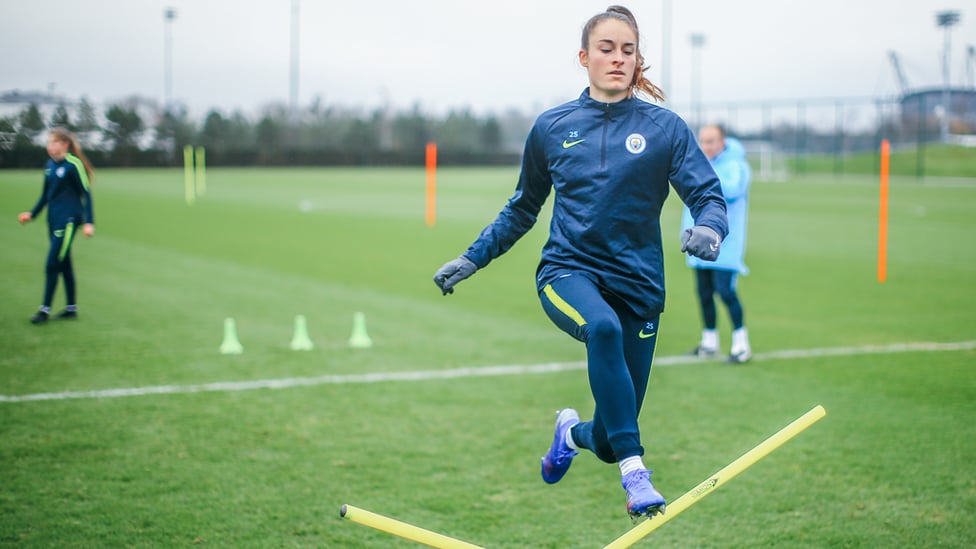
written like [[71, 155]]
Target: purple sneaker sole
[[642, 498]]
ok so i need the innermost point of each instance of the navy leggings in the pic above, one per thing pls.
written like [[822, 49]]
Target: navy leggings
[[59, 264], [711, 281], [619, 351]]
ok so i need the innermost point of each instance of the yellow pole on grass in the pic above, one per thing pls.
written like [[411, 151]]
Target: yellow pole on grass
[[709, 485]]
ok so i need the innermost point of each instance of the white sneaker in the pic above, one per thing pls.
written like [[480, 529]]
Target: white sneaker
[[740, 357], [740, 352], [708, 347], [703, 352]]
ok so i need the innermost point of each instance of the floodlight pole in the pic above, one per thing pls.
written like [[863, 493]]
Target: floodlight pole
[[666, 49], [293, 87], [946, 19], [169, 14], [970, 61], [697, 41]]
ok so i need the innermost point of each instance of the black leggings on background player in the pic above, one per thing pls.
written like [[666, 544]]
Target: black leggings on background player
[[67, 196]]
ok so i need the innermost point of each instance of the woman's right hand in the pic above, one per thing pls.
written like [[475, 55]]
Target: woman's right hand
[[24, 217], [453, 272]]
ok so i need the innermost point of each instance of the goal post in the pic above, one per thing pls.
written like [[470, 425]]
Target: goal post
[[767, 161]]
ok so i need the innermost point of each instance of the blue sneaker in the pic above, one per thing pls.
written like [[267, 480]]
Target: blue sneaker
[[642, 498], [560, 456]]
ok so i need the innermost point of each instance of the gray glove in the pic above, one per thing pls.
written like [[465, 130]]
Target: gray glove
[[453, 272], [702, 242]]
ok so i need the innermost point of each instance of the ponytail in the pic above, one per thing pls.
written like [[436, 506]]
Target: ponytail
[[642, 84]]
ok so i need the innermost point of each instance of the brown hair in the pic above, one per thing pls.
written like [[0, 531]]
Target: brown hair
[[621, 13], [65, 136]]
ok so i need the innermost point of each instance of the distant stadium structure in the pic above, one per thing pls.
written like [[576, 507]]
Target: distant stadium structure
[[922, 111]]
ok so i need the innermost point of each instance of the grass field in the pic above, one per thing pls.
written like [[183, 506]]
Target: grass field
[[890, 466], [937, 160]]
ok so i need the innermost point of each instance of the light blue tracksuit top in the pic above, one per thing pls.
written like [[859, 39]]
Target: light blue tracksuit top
[[734, 173], [610, 166]]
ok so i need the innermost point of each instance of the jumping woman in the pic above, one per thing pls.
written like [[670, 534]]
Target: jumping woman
[[609, 156]]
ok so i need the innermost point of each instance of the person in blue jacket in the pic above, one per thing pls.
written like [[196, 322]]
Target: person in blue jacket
[[67, 195], [609, 156], [728, 159]]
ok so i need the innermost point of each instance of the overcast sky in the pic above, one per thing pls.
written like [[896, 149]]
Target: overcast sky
[[442, 54]]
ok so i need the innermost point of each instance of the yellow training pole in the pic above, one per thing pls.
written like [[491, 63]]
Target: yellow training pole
[[402, 529], [189, 185], [709, 485], [201, 171]]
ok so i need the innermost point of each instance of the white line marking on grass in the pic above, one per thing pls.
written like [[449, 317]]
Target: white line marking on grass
[[484, 371]]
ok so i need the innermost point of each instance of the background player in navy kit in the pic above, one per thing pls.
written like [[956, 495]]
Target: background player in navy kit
[[67, 195], [609, 156]]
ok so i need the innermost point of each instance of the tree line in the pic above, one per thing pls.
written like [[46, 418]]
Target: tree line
[[136, 133]]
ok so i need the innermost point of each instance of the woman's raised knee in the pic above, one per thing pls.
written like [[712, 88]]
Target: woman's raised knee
[[604, 328]]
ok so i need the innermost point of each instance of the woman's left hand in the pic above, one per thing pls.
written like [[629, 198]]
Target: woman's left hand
[[88, 229]]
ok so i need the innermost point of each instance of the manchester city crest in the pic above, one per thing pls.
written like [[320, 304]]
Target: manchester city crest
[[636, 143]]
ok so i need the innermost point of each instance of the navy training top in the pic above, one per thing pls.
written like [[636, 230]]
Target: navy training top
[[66, 193], [610, 164]]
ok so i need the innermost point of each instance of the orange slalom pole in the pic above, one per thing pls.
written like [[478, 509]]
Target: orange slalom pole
[[431, 215], [883, 214]]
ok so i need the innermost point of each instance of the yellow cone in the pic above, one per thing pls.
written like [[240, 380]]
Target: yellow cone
[[300, 341], [231, 345], [359, 339]]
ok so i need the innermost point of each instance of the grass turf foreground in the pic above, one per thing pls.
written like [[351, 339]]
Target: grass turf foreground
[[269, 468]]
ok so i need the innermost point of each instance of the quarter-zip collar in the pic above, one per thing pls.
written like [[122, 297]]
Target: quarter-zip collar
[[619, 107], [608, 112]]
